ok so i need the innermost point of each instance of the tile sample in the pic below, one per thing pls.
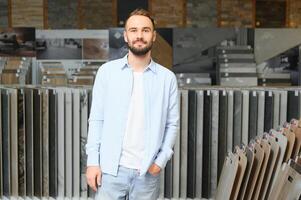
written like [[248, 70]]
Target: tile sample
[[27, 16], [67, 10]]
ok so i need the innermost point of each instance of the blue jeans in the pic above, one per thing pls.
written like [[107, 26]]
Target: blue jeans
[[128, 185]]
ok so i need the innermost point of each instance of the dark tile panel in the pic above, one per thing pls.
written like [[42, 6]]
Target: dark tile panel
[[37, 139], [6, 143], [53, 144], [192, 136], [168, 179], [206, 185], [253, 102], [21, 144], [293, 105], [124, 8], [268, 111], [222, 137]]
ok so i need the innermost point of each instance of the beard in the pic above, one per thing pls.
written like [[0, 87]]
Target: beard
[[140, 51]]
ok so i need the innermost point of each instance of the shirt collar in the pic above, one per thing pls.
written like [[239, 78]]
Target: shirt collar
[[125, 63]]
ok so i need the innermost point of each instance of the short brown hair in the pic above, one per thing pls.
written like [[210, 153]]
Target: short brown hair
[[142, 12]]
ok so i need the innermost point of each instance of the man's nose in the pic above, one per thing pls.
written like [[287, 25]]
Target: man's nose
[[139, 34]]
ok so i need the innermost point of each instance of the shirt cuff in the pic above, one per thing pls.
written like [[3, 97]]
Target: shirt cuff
[[92, 159], [163, 157]]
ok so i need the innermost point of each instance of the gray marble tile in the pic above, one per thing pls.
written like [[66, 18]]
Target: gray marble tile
[[83, 141], [260, 112], [245, 117], [176, 161], [237, 118], [230, 121], [3, 13], [283, 107], [61, 143], [68, 144], [62, 14], [184, 143], [76, 143], [214, 141], [199, 143]]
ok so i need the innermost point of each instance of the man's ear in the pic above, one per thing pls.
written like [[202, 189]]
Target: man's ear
[[155, 35], [125, 36]]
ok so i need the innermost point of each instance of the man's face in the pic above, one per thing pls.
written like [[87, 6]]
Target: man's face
[[139, 34]]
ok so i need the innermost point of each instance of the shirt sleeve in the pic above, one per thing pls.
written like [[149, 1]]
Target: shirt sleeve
[[96, 119], [171, 127]]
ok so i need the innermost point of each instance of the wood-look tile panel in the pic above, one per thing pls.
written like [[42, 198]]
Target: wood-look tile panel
[[27, 13], [96, 14]]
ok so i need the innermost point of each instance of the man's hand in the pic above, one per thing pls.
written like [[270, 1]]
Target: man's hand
[[93, 175], [154, 169]]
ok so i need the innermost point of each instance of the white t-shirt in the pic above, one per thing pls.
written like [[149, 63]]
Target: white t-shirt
[[133, 142]]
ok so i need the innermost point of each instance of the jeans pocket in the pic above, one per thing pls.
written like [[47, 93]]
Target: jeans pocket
[[154, 175]]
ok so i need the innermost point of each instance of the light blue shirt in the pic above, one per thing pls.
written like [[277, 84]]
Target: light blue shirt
[[109, 111]]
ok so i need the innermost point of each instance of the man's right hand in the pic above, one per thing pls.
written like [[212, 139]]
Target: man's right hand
[[93, 175]]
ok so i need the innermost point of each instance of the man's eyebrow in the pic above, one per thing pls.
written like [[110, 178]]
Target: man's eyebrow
[[146, 27]]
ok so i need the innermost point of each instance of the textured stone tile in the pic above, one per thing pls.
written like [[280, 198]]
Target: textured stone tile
[[270, 14], [21, 144], [96, 49], [201, 13], [62, 14], [294, 13], [27, 13], [236, 13], [96, 14], [168, 14], [3, 13]]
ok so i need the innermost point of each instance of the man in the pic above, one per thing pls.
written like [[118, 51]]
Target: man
[[134, 119]]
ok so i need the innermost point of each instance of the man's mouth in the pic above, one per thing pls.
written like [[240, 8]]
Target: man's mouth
[[139, 42]]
